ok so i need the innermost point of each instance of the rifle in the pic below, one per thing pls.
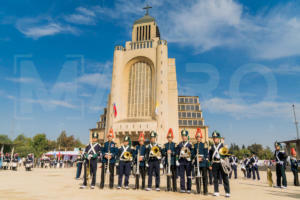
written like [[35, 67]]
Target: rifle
[[198, 176]]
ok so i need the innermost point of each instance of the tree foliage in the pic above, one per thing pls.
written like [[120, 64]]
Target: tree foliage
[[38, 144], [258, 149]]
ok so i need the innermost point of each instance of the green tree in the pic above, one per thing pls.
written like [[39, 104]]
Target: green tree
[[23, 145], [4, 140], [39, 144]]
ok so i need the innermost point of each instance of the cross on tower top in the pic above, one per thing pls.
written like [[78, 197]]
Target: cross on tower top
[[147, 9]]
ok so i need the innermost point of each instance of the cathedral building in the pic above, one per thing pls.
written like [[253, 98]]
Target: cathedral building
[[144, 94]]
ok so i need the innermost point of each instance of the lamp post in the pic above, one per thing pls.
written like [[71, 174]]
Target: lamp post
[[296, 122]]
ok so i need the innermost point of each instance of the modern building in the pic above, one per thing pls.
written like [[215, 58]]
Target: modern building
[[144, 95], [190, 116]]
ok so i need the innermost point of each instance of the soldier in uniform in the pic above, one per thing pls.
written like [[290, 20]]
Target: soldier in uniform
[[216, 166], [254, 164], [233, 160], [141, 151], [201, 149], [91, 154], [294, 166], [79, 162], [153, 162], [110, 153], [248, 166], [280, 158], [184, 150], [125, 157], [170, 149]]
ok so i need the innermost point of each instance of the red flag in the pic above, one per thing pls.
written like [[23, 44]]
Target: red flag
[[115, 110]]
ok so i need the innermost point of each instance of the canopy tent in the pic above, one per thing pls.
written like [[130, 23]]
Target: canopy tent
[[65, 155]]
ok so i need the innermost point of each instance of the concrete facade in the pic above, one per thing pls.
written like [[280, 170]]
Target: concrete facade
[[143, 88]]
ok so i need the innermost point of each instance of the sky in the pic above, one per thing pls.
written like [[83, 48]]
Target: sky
[[242, 58]]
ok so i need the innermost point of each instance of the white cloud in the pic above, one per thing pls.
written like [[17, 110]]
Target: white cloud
[[287, 69], [206, 24], [96, 80], [52, 103], [82, 16], [21, 80], [240, 110], [36, 27]]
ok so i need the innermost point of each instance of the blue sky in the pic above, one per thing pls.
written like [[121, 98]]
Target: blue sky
[[241, 57]]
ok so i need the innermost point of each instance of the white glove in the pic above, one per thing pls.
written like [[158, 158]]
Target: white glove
[[147, 165], [90, 156], [117, 163], [161, 166], [177, 163]]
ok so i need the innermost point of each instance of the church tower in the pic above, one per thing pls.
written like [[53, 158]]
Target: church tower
[[144, 94]]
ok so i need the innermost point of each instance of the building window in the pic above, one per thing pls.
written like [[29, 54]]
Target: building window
[[186, 100], [200, 123], [140, 90], [192, 107], [182, 107], [183, 115], [194, 122], [184, 122], [180, 122], [190, 100], [198, 115], [190, 122], [178, 107], [195, 100], [197, 108], [188, 107], [194, 115], [181, 100], [189, 115], [179, 114]]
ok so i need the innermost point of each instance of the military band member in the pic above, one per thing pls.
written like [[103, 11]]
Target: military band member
[[233, 160], [141, 151], [201, 149], [254, 166], [248, 166], [170, 150], [184, 150], [109, 152], [294, 167], [79, 161], [243, 166], [91, 154], [153, 161], [125, 157], [216, 166], [280, 158]]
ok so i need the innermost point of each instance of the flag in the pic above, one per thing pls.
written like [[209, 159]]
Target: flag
[[115, 110], [156, 108], [59, 155]]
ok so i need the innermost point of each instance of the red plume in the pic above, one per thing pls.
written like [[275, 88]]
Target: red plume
[[170, 132], [111, 133], [198, 132], [293, 151], [141, 136]]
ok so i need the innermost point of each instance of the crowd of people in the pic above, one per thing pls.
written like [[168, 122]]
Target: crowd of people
[[206, 164]]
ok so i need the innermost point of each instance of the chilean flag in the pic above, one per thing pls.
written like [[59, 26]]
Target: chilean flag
[[115, 110]]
